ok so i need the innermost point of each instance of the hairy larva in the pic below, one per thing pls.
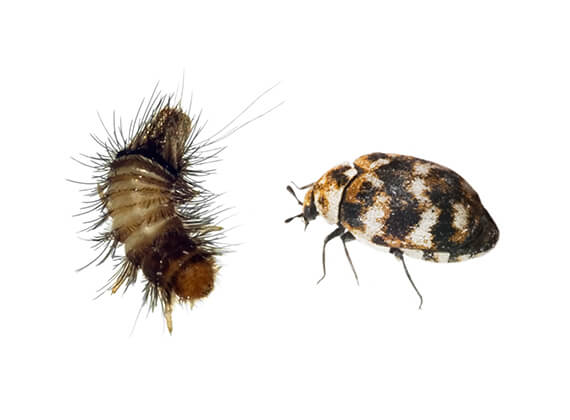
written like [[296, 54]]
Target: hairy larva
[[149, 187]]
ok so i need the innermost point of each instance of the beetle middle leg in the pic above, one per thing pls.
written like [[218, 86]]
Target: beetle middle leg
[[400, 255], [337, 232], [347, 237]]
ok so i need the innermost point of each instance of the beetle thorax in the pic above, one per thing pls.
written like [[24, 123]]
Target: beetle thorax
[[326, 194]]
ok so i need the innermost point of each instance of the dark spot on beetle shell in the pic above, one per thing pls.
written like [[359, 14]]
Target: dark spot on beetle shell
[[338, 175], [445, 180], [404, 211], [398, 164], [323, 203], [443, 230], [351, 213], [373, 157], [402, 220], [445, 189], [366, 194]]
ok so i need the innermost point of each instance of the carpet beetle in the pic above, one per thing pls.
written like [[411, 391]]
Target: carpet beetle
[[403, 205]]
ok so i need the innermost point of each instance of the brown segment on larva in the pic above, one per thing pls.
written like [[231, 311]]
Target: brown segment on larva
[[149, 190]]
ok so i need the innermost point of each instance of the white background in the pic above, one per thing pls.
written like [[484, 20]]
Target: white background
[[482, 87]]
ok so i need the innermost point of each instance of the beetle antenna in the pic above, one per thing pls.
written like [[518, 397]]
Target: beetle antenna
[[293, 194], [400, 255], [304, 187], [293, 217]]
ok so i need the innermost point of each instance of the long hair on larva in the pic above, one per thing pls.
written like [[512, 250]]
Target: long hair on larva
[[148, 194]]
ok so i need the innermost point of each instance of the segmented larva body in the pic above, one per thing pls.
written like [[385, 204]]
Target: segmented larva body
[[141, 204], [149, 188]]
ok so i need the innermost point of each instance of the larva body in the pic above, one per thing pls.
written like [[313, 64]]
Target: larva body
[[148, 187], [143, 210], [404, 205], [142, 205]]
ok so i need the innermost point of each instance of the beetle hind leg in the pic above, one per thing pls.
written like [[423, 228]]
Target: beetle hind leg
[[400, 255]]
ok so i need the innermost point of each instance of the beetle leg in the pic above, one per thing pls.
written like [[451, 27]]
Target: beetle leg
[[346, 237], [337, 232], [400, 255]]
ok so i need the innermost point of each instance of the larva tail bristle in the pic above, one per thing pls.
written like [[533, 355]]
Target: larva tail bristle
[[168, 316], [127, 273]]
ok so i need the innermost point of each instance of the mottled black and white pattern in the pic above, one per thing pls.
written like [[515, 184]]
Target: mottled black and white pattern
[[393, 201], [404, 205]]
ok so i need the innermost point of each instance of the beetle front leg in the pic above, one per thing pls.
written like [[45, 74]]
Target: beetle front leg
[[337, 232]]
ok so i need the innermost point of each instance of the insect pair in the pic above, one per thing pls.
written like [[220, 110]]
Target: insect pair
[[148, 184]]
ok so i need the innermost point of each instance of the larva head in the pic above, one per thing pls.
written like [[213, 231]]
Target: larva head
[[165, 136]]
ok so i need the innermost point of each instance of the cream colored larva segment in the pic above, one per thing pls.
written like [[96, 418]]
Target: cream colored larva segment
[[137, 172], [121, 202], [139, 202], [144, 234], [136, 191], [133, 215], [133, 202]]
